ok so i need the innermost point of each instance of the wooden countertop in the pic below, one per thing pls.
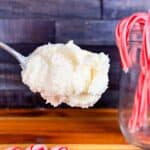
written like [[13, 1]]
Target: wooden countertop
[[80, 146], [62, 126]]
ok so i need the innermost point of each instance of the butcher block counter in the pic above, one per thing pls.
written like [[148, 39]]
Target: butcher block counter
[[89, 129]]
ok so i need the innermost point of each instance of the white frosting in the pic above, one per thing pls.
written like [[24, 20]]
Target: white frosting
[[65, 73]]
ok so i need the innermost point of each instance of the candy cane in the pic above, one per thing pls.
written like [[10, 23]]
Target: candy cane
[[142, 93], [14, 148], [123, 54], [37, 147], [60, 148]]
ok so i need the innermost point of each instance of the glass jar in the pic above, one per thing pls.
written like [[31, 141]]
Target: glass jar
[[140, 136]]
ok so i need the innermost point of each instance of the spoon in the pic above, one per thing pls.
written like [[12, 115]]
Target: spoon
[[20, 58]]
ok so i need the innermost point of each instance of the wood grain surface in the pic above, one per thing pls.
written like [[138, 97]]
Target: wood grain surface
[[86, 32], [64, 126], [82, 146], [83, 32], [117, 9], [26, 30], [86, 9]]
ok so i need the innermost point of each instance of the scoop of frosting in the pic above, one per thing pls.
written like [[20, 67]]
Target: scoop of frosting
[[65, 73]]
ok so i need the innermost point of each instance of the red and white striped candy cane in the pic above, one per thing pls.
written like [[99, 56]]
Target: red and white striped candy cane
[[14, 148], [142, 93], [60, 148], [37, 147]]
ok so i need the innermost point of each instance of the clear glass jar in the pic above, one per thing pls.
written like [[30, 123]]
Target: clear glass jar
[[128, 85]]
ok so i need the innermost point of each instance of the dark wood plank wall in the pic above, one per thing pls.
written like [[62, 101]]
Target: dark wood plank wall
[[26, 24]]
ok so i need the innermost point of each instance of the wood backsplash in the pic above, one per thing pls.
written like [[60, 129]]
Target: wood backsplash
[[29, 23]]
